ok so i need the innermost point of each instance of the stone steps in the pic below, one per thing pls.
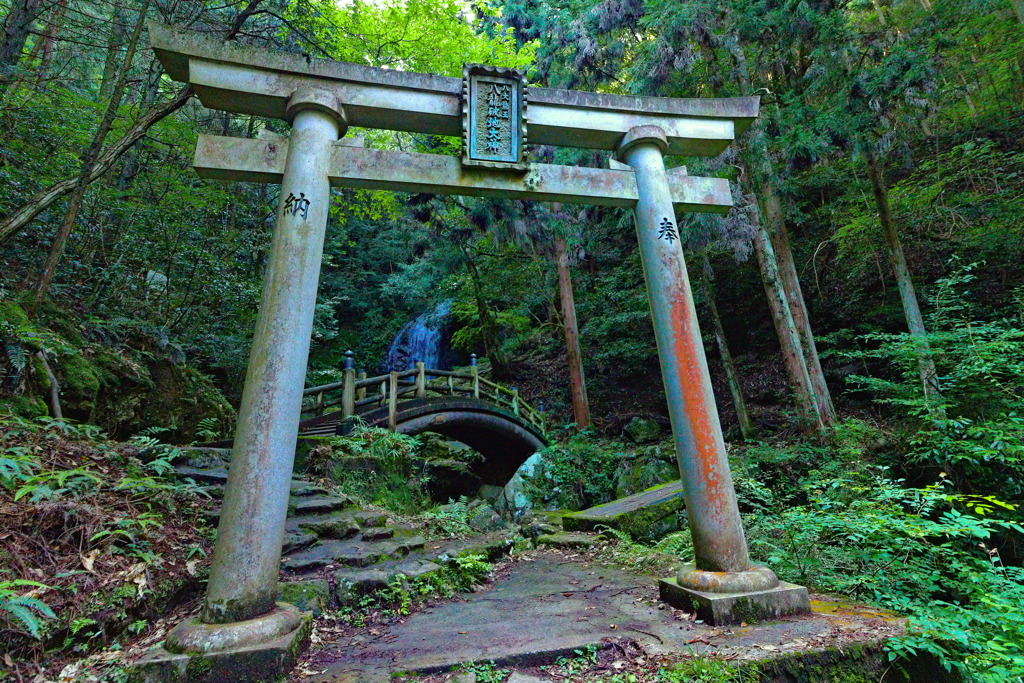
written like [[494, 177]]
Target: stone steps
[[334, 552]]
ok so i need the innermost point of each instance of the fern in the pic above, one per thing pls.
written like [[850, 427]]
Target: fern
[[24, 608]]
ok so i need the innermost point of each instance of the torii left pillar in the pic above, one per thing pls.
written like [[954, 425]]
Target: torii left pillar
[[240, 612]]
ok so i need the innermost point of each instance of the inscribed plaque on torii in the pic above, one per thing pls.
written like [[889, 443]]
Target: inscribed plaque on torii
[[494, 120]]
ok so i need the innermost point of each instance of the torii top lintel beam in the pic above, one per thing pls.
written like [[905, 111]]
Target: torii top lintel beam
[[247, 80]]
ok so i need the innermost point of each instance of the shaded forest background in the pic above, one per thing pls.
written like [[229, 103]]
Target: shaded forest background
[[867, 287]]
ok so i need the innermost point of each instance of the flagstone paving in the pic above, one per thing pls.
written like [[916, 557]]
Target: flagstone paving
[[550, 605]]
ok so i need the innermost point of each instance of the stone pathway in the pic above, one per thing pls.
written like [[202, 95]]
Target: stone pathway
[[334, 552], [551, 605]]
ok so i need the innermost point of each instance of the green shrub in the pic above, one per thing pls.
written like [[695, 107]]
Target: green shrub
[[373, 465], [576, 474], [926, 553], [974, 431]]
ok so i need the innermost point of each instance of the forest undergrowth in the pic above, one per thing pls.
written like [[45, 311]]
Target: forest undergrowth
[[97, 543]]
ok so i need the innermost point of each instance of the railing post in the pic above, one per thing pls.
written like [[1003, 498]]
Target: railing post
[[393, 400], [475, 371], [319, 404], [361, 391], [421, 379], [348, 391]]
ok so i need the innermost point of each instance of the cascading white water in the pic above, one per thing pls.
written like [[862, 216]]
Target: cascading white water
[[421, 339]]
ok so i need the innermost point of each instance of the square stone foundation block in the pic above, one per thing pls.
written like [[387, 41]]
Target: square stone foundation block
[[265, 663], [734, 608]]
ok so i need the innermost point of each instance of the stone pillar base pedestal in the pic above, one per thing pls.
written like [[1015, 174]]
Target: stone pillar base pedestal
[[244, 660], [717, 608]]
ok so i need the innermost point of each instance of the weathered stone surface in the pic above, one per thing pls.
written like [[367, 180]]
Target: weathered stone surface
[[338, 526], [566, 539], [642, 430], [320, 505], [517, 677], [308, 560], [410, 543], [650, 466], [349, 585], [297, 539], [377, 533], [484, 518], [254, 664], [358, 556], [734, 608], [490, 546], [491, 494], [310, 595], [301, 488], [205, 456], [515, 502], [637, 515], [201, 475], [368, 518], [449, 479], [414, 569], [546, 608]]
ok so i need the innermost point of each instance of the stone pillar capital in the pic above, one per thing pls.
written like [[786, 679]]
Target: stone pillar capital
[[642, 135], [320, 100]]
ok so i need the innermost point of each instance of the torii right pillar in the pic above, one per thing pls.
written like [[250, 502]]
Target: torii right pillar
[[722, 584]]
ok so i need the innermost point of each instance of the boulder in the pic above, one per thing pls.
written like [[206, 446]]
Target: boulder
[[484, 518], [514, 501], [642, 430]]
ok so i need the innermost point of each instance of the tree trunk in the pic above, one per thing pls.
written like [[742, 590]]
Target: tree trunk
[[55, 411], [487, 325], [764, 183], [16, 27], [908, 295], [43, 48], [794, 293], [45, 198], [789, 337], [1018, 9], [707, 281], [77, 195], [118, 34], [577, 381]]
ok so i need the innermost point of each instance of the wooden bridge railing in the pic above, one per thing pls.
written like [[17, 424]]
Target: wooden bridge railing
[[360, 394]]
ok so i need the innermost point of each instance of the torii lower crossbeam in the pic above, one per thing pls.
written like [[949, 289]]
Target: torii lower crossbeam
[[263, 161]]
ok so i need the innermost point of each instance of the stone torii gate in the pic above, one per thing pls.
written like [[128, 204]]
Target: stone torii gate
[[495, 113]]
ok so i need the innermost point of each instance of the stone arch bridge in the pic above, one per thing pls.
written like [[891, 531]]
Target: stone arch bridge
[[488, 417]]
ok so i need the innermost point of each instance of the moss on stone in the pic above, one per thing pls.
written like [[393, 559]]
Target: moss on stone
[[11, 312], [79, 384], [27, 406], [198, 667], [309, 596]]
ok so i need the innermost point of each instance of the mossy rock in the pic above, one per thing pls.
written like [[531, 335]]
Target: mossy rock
[[641, 473], [79, 384], [642, 430], [644, 516], [309, 596], [27, 406], [11, 312]]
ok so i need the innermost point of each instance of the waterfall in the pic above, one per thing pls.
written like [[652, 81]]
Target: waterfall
[[422, 339]]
